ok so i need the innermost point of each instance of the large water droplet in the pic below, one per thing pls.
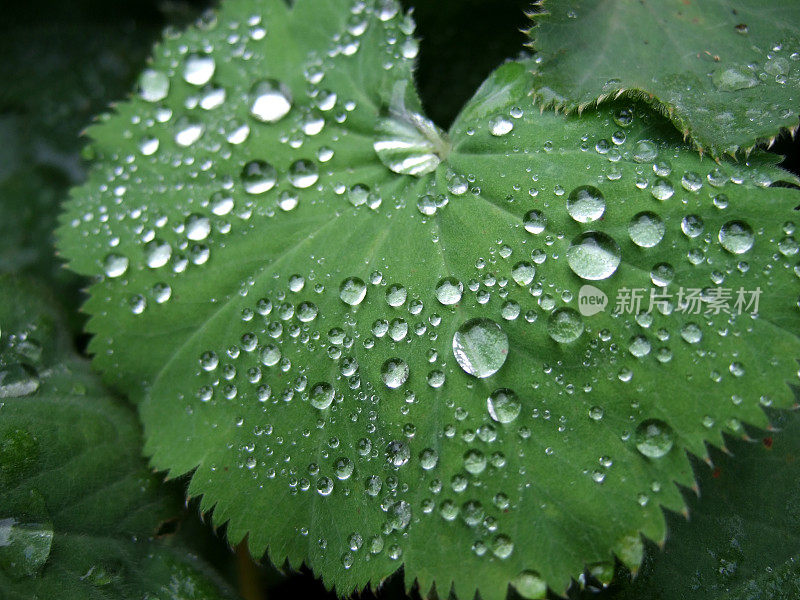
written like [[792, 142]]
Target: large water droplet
[[303, 174], [198, 69], [480, 347], [153, 85], [321, 395], [115, 265], [594, 256], [734, 78]]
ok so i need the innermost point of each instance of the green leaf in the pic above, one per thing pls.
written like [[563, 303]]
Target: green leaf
[[742, 536], [726, 72], [79, 509], [365, 369]]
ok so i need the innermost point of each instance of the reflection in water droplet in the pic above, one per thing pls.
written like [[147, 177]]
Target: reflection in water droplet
[[115, 265], [593, 256], [530, 585], [153, 85], [17, 380], [654, 438], [480, 347], [535, 222], [198, 69], [565, 325], [303, 174]]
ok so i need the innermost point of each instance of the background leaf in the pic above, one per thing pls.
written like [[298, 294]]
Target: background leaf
[[726, 72], [284, 304], [79, 509]]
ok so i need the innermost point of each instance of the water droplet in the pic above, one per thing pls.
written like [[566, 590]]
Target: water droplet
[[449, 291], [321, 395], [645, 151], [303, 174], [352, 291], [480, 347], [153, 85], [259, 177], [500, 126], [662, 189], [407, 142], [503, 405], [530, 585], [654, 438], [734, 78], [736, 237], [271, 101], [565, 325], [115, 265], [535, 222], [17, 380], [198, 69], [646, 229], [198, 227], [394, 373], [593, 256], [692, 226], [586, 204]]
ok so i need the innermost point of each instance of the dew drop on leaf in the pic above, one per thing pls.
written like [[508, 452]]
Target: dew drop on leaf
[[565, 325], [271, 101], [736, 237], [593, 256], [503, 405], [586, 204], [654, 438], [480, 347]]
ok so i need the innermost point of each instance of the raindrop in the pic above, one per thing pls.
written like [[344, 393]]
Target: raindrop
[[259, 177]]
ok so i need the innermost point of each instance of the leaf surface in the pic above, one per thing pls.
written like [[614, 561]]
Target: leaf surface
[[79, 509], [367, 369], [726, 72]]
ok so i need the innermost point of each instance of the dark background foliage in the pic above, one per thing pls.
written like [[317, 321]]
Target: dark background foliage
[[64, 62]]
